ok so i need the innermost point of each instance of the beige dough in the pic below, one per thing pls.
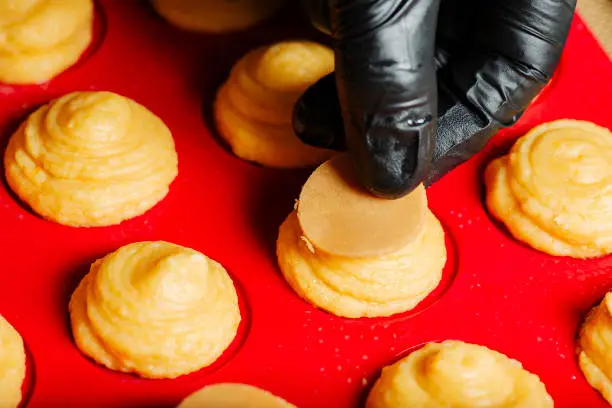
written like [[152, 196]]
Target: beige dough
[[553, 190], [253, 109], [453, 374], [12, 365], [155, 309], [91, 159], [39, 39], [216, 16], [338, 216], [366, 286], [230, 395], [594, 347], [355, 255]]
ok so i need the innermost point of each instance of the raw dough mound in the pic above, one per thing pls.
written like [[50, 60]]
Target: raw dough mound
[[155, 309], [41, 38], [216, 16], [595, 347], [553, 190], [363, 287], [12, 365], [253, 110], [229, 395], [454, 374], [91, 159]]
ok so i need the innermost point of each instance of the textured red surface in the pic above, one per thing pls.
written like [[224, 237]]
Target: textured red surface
[[504, 295]]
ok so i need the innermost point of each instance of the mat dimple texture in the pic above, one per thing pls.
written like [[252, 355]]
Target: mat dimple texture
[[504, 295]]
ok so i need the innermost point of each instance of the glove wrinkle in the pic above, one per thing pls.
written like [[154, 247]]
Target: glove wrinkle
[[421, 91], [496, 100], [385, 79]]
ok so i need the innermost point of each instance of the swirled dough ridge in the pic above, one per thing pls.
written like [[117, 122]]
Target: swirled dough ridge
[[253, 109], [595, 347], [553, 190], [155, 309], [91, 159], [12, 365], [233, 395], [453, 374], [41, 38], [363, 287], [216, 16]]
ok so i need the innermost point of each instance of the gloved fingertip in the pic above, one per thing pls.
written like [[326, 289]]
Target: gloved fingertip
[[389, 184], [317, 117], [396, 161]]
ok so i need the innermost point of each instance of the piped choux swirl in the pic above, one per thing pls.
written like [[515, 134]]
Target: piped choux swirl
[[233, 395], [363, 286], [91, 159], [253, 109], [39, 39], [594, 347], [553, 191], [155, 309], [12, 365], [458, 375]]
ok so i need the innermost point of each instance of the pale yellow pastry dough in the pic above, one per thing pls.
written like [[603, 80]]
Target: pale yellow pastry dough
[[12, 365], [155, 309], [41, 38], [595, 347], [553, 190], [253, 109], [231, 395], [454, 374], [91, 159], [363, 287], [216, 16]]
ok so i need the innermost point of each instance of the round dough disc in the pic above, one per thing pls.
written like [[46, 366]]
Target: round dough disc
[[233, 396], [341, 218]]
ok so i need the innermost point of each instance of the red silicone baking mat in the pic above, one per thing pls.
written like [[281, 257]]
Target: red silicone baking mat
[[503, 295]]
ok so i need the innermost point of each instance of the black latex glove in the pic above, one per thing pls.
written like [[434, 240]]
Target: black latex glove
[[403, 67]]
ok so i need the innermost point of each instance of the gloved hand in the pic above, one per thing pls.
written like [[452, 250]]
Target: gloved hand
[[405, 67]]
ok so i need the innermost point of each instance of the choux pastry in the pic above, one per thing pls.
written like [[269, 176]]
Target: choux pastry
[[356, 255], [229, 395], [155, 309], [454, 374], [12, 365], [595, 347], [91, 159], [39, 39], [553, 190], [253, 109]]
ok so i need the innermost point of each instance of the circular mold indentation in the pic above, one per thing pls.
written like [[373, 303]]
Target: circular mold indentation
[[241, 335], [22, 209], [506, 238], [98, 33], [230, 352], [448, 277]]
